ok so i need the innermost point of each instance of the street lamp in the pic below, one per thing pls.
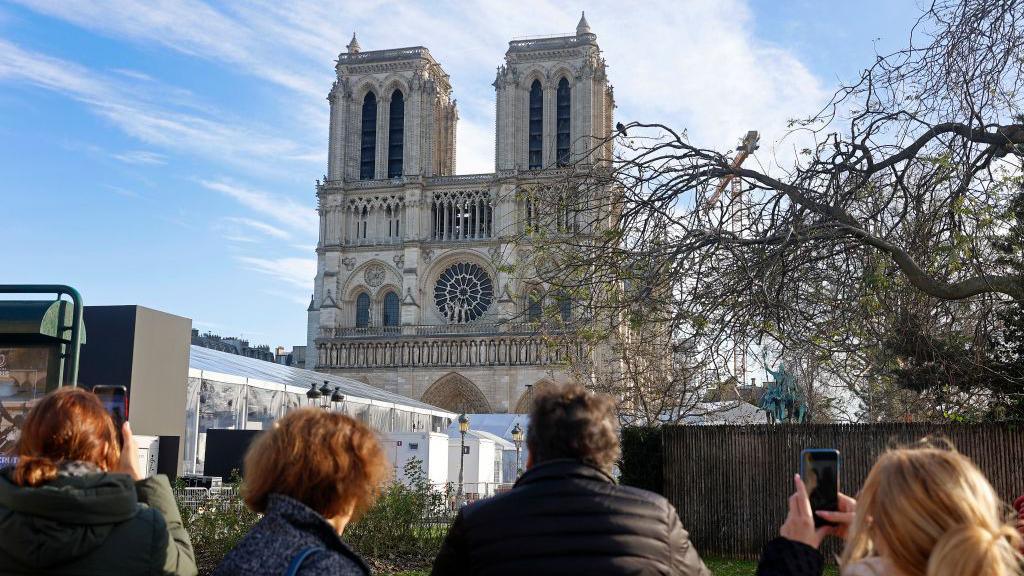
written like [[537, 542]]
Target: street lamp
[[325, 396], [337, 399], [517, 438], [312, 396], [463, 428]]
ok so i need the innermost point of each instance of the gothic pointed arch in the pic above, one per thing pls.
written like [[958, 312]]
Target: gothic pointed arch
[[526, 399], [536, 126], [396, 133], [456, 393], [368, 137], [563, 117]]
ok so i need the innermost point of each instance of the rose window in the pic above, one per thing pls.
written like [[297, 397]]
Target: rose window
[[463, 292]]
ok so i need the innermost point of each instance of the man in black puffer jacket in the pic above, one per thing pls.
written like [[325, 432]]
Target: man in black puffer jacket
[[566, 515]]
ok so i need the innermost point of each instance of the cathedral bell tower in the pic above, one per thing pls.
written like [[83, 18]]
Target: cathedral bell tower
[[391, 115], [554, 102]]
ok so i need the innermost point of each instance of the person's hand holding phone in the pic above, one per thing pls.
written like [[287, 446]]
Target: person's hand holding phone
[[842, 519], [799, 524], [129, 462]]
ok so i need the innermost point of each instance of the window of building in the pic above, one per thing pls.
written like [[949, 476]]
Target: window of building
[[563, 116], [536, 126], [534, 308], [390, 309], [461, 215], [565, 307], [363, 310], [368, 144], [463, 292], [391, 214], [396, 134]]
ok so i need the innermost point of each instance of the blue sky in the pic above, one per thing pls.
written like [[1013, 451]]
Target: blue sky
[[164, 153]]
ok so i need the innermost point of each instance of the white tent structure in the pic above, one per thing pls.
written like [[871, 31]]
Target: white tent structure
[[499, 425], [228, 391], [735, 413], [481, 462]]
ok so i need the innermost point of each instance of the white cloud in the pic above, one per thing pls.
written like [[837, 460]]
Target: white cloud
[[123, 191], [145, 120], [234, 222], [696, 65], [141, 157], [280, 208], [296, 272]]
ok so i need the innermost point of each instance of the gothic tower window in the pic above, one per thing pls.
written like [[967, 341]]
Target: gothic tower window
[[363, 310], [536, 126], [390, 309], [368, 144], [396, 134], [563, 115]]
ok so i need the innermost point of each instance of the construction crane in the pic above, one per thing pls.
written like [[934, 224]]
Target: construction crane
[[747, 147]]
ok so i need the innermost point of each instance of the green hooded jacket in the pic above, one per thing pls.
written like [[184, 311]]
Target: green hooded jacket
[[93, 524]]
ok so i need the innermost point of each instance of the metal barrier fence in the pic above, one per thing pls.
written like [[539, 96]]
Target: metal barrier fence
[[228, 497], [192, 500], [730, 484]]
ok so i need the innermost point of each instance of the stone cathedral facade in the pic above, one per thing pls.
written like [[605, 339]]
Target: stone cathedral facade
[[409, 295]]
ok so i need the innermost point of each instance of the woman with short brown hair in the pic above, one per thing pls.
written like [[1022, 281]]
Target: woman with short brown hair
[[76, 502], [310, 475]]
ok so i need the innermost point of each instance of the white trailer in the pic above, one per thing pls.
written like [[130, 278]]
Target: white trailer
[[430, 448]]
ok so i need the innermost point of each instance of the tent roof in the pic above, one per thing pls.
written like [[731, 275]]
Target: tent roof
[[499, 425], [223, 366]]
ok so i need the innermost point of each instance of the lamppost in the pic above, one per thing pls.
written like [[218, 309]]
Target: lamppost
[[517, 438], [463, 428], [325, 396], [337, 399], [312, 396]]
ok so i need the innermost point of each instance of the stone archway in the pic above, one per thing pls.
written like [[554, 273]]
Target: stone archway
[[526, 399], [454, 392]]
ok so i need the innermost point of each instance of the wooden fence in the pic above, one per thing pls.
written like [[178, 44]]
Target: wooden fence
[[730, 483]]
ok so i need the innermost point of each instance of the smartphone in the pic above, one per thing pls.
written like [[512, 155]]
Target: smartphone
[[115, 400], [819, 469]]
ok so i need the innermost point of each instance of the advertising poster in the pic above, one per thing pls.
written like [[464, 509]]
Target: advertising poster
[[22, 381]]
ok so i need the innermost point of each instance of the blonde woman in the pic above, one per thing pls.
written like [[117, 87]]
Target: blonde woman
[[922, 512]]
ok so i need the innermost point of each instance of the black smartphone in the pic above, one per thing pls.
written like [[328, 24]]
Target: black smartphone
[[115, 400], [819, 469]]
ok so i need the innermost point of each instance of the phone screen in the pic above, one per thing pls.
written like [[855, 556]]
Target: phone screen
[[819, 469], [115, 400]]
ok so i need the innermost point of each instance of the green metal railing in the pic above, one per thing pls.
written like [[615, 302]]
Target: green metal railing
[[70, 351]]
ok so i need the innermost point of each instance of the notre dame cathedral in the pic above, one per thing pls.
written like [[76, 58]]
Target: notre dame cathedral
[[408, 294]]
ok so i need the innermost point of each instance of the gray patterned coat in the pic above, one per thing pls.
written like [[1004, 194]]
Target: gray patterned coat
[[287, 528]]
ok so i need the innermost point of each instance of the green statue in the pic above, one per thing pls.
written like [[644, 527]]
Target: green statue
[[783, 401]]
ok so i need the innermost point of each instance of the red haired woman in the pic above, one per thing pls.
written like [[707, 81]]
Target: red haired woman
[[76, 503]]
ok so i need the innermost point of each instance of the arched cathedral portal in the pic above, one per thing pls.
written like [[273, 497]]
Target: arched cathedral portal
[[456, 393]]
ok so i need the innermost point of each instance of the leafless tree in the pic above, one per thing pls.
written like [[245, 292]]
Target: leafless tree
[[899, 186]]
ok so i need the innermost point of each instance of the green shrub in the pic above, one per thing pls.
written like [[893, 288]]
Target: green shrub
[[216, 525], [641, 464], [403, 530]]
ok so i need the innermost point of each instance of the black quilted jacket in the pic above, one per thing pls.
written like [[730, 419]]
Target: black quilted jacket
[[564, 517], [782, 557]]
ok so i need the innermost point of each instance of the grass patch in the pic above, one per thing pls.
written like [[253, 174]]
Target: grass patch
[[730, 567]]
